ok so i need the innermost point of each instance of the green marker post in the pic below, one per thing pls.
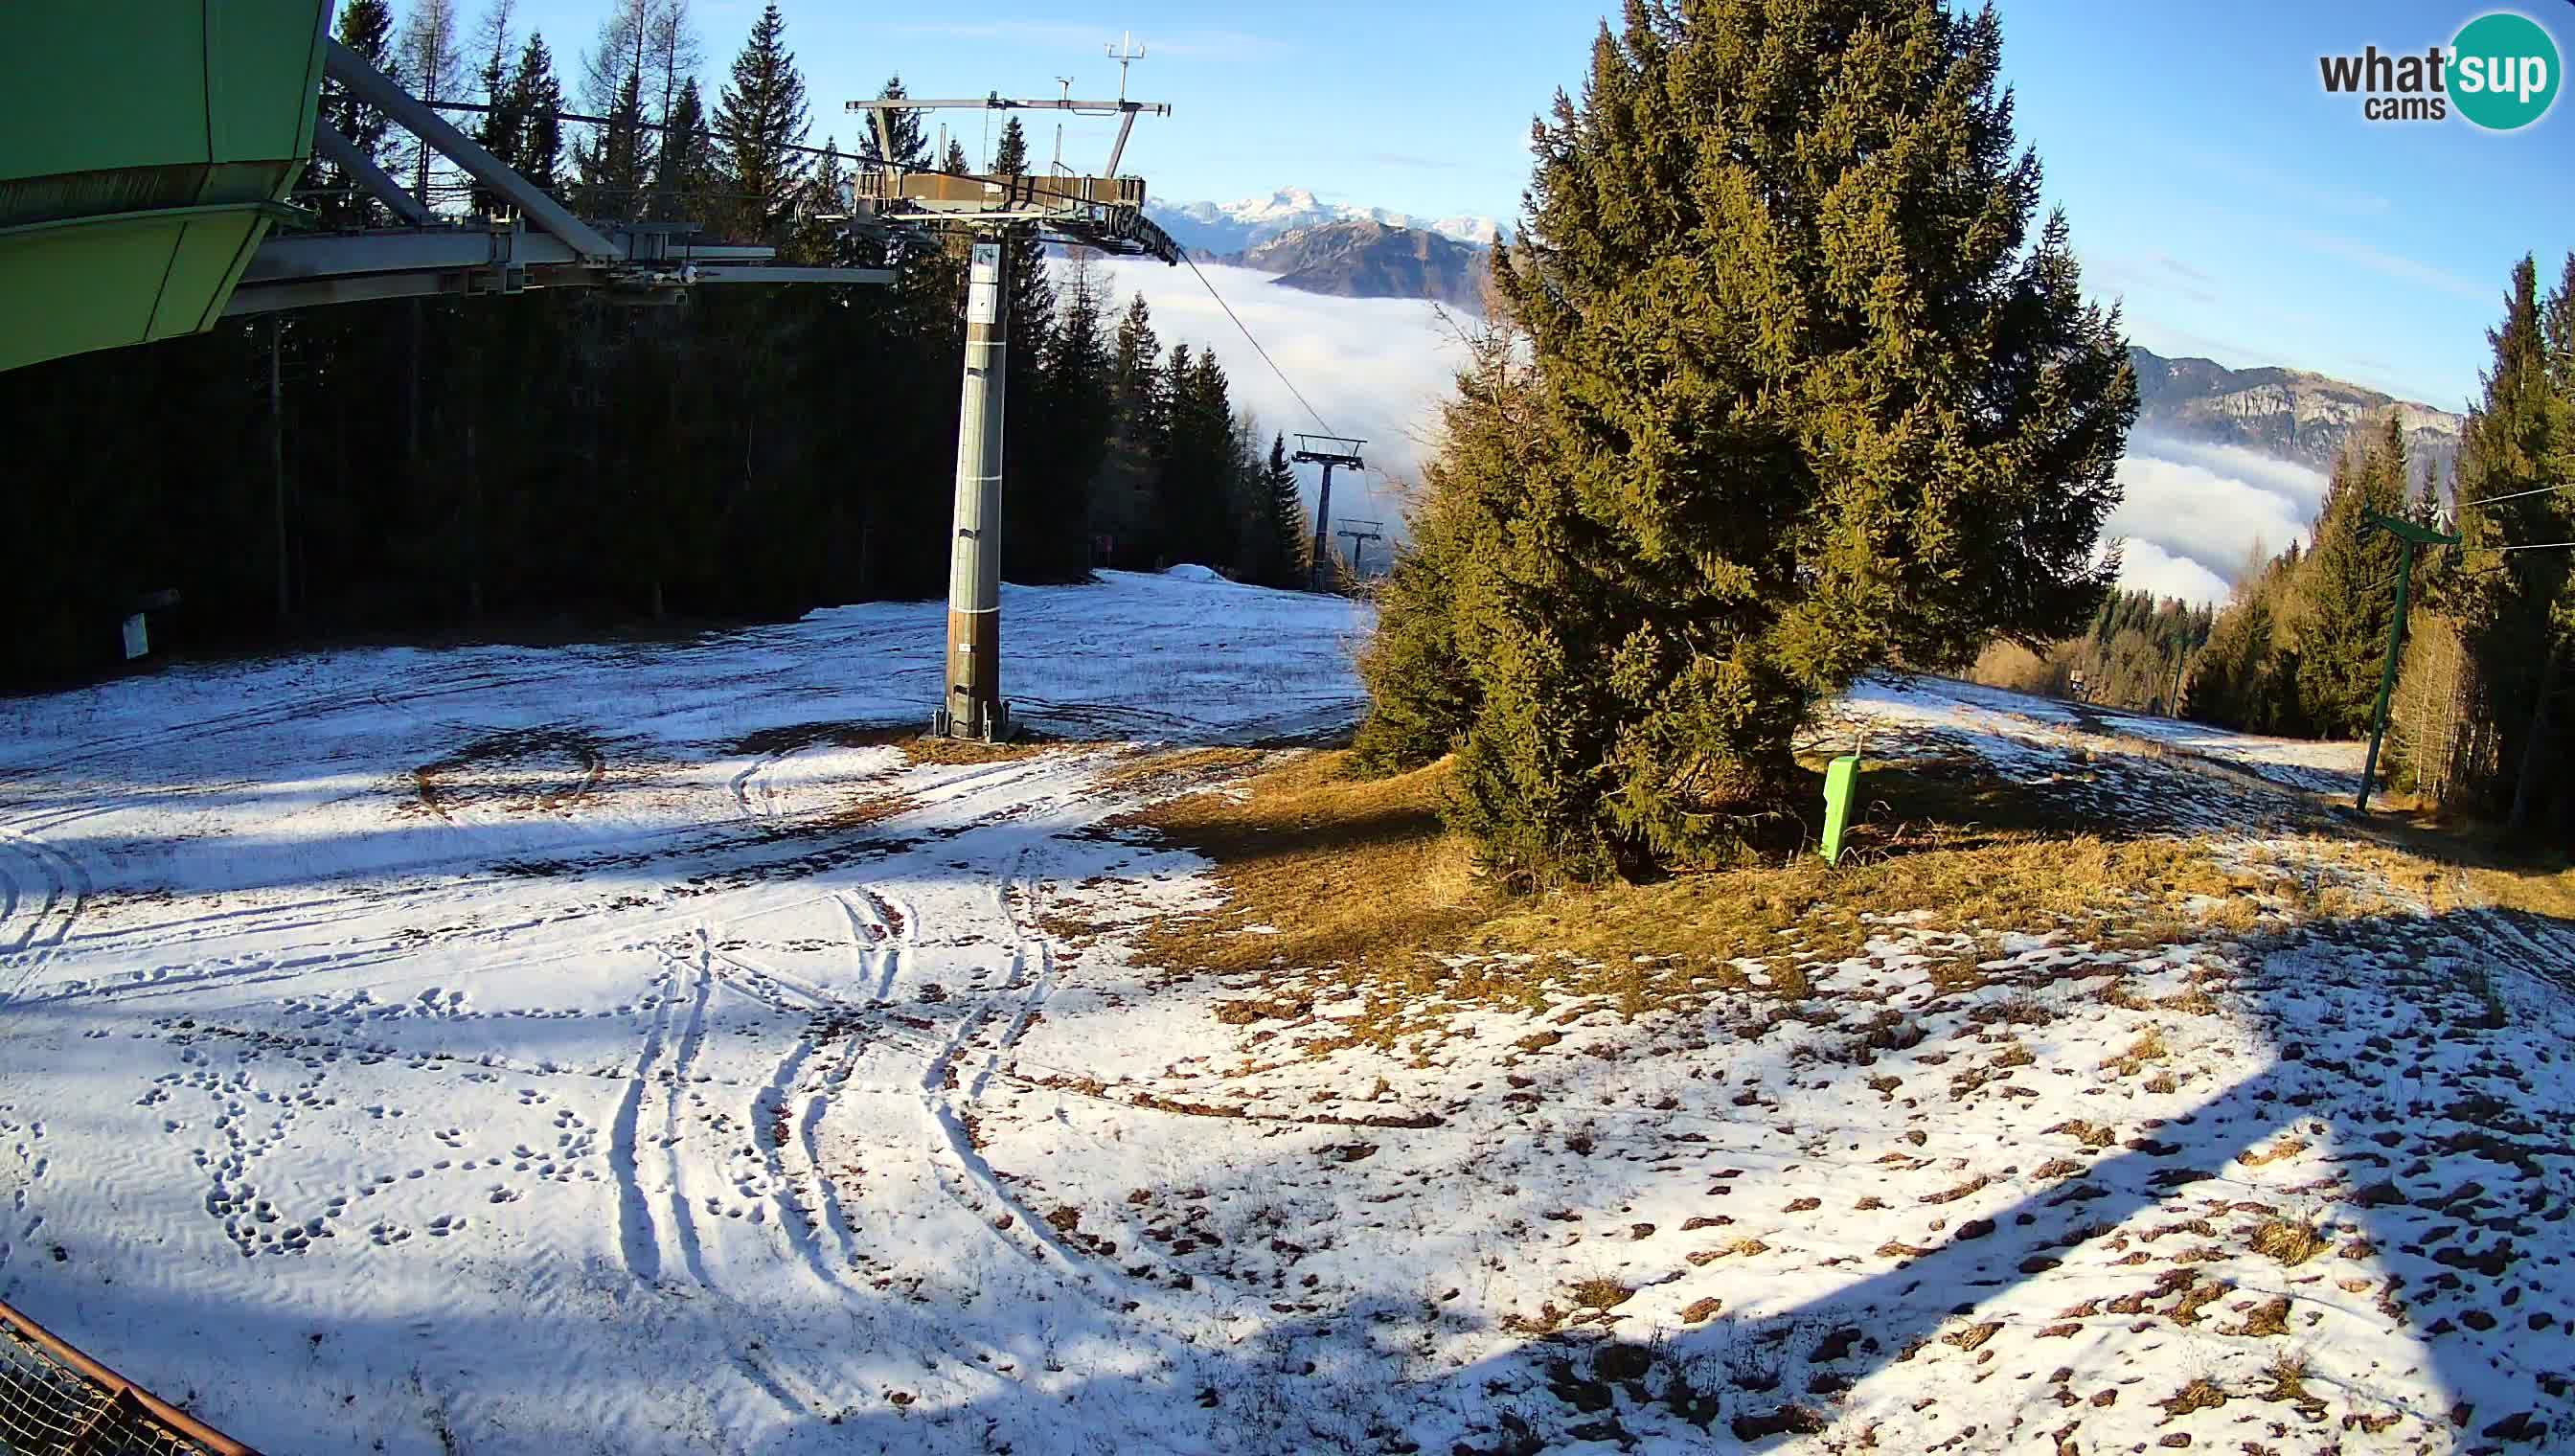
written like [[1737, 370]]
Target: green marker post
[[2412, 538], [1841, 787]]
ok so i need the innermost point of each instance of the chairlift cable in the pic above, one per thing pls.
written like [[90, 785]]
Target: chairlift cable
[[1256, 343]]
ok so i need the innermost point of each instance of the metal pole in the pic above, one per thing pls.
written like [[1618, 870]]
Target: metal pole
[[277, 464], [973, 708], [344, 154], [370, 86], [1322, 528], [2387, 679]]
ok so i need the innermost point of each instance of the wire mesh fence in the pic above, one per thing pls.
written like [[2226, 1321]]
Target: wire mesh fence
[[55, 1401]]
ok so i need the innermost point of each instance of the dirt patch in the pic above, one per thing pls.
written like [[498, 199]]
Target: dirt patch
[[544, 770], [918, 747], [787, 738]]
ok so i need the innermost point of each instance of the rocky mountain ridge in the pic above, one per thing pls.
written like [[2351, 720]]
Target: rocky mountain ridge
[[1234, 227], [2288, 414], [1362, 259]]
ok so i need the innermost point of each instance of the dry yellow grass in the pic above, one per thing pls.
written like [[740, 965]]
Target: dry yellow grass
[[1362, 878], [2291, 1243], [2455, 866], [966, 753], [1600, 1292], [1347, 870], [1164, 768]]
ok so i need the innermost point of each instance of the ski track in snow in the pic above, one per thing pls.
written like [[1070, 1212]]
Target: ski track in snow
[[626, 1049]]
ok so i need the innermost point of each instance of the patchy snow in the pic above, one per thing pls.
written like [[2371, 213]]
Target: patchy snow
[[2009, 722], [618, 1050]]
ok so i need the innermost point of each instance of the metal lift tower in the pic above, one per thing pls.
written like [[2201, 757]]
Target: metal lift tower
[[1358, 534], [1326, 450], [999, 213]]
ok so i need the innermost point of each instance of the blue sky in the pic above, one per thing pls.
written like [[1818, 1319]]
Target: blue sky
[[2238, 211]]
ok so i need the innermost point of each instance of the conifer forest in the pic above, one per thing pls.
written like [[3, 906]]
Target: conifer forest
[[453, 466]]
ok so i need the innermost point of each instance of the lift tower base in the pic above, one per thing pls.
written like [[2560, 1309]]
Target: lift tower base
[[972, 706]]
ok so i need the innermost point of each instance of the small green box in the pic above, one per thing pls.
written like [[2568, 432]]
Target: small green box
[[1841, 785]]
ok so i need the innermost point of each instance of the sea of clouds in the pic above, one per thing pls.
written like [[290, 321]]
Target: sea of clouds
[[2192, 516]]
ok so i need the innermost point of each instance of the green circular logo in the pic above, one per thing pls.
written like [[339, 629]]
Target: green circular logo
[[2503, 71]]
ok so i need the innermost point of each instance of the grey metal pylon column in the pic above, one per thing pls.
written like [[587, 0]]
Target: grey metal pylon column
[[1336, 450], [1322, 564], [973, 708]]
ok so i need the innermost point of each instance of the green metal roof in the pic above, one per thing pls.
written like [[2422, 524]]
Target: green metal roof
[[146, 146]]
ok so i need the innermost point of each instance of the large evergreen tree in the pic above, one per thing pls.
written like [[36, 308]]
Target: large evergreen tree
[[760, 121], [2517, 608], [2348, 591], [685, 183], [1275, 543], [537, 97], [1079, 411], [1194, 475], [1123, 508], [617, 164], [911, 146], [1812, 396]]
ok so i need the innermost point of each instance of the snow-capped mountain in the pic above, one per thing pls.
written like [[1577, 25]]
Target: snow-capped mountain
[[1233, 227]]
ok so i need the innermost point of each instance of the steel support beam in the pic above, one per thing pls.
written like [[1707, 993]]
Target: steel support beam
[[750, 273], [1118, 149], [337, 267], [972, 706], [355, 287], [342, 153], [370, 86], [402, 250]]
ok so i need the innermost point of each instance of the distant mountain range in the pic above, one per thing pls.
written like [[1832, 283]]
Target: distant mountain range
[[2287, 414], [1362, 259], [1369, 252], [1234, 227]]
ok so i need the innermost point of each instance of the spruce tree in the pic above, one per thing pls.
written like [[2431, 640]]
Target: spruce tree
[[1122, 492], [1193, 479], [617, 164], [1815, 396], [910, 147], [537, 96], [685, 184], [1281, 525], [2348, 588], [761, 119], [1081, 409], [1047, 513], [366, 27], [2516, 609]]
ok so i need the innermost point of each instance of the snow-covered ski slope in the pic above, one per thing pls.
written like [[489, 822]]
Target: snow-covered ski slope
[[624, 1049]]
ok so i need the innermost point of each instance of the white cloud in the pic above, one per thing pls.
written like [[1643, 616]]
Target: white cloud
[[2146, 567], [2302, 485], [2194, 511], [1379, 368], [1375, 368]]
